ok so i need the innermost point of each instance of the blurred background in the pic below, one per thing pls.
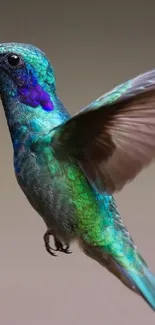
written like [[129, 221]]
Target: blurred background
[[93, 46]]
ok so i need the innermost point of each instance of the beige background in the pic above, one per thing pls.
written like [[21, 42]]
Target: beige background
[[93, 48]]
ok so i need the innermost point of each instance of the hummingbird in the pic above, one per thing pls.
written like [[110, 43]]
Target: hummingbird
[[70, 167]]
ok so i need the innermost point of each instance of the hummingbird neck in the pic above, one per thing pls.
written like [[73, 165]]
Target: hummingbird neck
[[27, 123]]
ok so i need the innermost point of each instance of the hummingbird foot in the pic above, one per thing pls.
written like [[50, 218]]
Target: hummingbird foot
[[60, 247], [58, 244], [46, 238]]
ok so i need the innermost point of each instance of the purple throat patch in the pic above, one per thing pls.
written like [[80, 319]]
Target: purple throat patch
[[35, 96]]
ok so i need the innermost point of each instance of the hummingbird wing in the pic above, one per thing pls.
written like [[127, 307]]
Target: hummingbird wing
[[113, 138]]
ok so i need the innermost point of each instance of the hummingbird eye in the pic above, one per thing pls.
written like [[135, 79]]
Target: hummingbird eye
[[14, 60]]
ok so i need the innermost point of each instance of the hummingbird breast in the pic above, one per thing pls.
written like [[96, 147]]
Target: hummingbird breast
[[47, 187], [63, 197]]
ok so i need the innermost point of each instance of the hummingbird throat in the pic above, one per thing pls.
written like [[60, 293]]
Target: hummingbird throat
[[34, 96]]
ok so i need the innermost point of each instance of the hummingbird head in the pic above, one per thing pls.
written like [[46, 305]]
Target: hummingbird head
[[26, 74], [28, 90]]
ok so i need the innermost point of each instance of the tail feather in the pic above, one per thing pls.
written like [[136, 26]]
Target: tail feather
[[139, 278], [145, 284]]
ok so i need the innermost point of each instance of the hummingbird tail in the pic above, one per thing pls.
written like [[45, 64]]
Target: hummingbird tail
[[136, 277], [144, 282]]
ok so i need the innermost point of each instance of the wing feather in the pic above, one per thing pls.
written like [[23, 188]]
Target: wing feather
[[113, 138]]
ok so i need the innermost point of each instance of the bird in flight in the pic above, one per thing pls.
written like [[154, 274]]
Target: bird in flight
[[70, 167]]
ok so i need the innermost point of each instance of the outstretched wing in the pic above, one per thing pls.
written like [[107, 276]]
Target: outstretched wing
[[113, 138]]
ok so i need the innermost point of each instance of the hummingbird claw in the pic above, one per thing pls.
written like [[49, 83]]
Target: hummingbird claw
[[59, 247], [58, 244], [49, 250], [46, 238]]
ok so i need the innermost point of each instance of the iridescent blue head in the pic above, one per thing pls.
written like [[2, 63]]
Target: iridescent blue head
[[28, 90], [26, 72]]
